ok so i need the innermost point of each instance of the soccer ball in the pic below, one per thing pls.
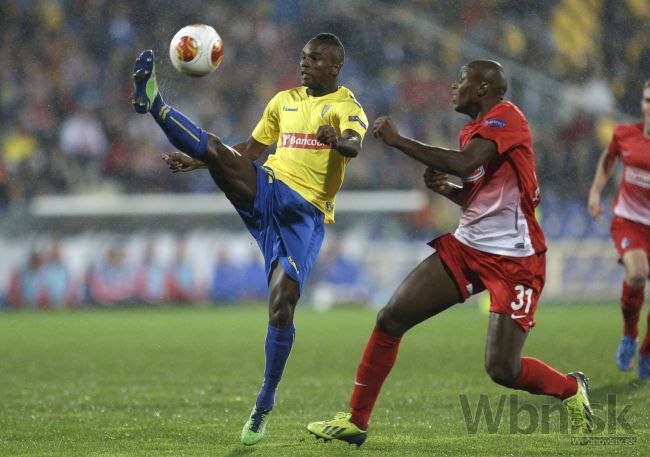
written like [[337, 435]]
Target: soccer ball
[[196, 50]]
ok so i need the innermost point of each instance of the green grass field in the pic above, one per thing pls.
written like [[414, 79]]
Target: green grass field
[[155, 382]]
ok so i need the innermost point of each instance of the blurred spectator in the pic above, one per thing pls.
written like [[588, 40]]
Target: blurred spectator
[[229, 280], [26, 286], [254, 278], [23, 162], [44, 282], [181, 283], [111, 280], [84, 144], [339, 279], [150, 284], [57, 282]]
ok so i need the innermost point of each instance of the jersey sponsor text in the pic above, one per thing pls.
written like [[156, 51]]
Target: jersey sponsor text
[[302, 141]]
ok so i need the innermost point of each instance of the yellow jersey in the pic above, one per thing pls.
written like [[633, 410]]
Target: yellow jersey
[[312, 169]]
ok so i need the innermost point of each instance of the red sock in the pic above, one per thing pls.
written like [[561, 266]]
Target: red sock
[[631, 303], [378, 360], [538, 378], [644, 349]]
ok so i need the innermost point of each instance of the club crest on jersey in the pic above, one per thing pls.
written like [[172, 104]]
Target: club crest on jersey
[[494, 122], [358, 119], [302, 141], [326, 108]]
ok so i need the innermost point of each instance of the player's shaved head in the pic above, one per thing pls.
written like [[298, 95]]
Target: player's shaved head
[[482, 84], [334, 43], [490, 72]]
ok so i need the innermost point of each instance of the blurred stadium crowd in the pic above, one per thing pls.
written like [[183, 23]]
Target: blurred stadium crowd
[[47, 281], [165, 270], [67, 126]]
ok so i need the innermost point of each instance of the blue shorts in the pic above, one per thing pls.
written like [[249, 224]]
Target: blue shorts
[[287, 227]]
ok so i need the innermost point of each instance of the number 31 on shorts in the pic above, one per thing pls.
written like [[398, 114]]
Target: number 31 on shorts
[[524, 297]]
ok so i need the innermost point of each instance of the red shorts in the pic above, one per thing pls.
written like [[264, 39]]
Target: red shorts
[[514, 283], [629, 235]]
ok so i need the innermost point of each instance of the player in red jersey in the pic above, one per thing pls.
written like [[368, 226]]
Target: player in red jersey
[[498, 246], [630, 226]]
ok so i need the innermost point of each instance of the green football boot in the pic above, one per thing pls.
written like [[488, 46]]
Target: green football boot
[[145, 85], [339, 428], [255, 426], [580, 414]]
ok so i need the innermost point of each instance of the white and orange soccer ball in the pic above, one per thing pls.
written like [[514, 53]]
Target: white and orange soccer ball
[[196, 50]]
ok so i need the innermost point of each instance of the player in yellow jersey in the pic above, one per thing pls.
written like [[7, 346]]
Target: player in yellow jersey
[[317, 127]]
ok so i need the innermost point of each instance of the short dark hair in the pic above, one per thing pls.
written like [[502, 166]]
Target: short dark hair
[[335, 42]]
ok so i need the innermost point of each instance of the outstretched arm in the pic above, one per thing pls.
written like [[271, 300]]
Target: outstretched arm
[[604, 171], [459, 163], [181, 162], [348, 144]]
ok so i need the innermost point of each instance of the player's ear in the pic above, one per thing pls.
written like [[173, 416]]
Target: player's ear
[[336, 69], [482, 89]]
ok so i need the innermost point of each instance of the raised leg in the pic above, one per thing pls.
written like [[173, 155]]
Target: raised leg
[[233, 173]]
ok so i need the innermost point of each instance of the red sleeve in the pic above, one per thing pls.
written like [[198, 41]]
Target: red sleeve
[[506, 126], [613, 149]]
